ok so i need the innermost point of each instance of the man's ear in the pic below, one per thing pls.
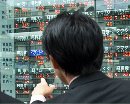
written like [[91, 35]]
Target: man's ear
[[54, 62]]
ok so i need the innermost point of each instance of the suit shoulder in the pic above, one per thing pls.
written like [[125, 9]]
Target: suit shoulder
[[122, 84], [127, 82], [4, 97]]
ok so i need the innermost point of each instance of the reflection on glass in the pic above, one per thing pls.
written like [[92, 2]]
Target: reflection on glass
[[23, 60]]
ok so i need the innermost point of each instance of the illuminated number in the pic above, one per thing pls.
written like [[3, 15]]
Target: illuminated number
[[126, 74], [40, 70], [126, 68], [105, 18], [126, 30], [57, 11], [63, 5], [107, 32], [108, 68], [126, 17], [122, 31], [116, 74], [121, 17], [92, 3], [124, 53], [118, 31], [122, 68], [122, 48], [40, 62], [106, 50], [19, 70], [34, 85], [33, 19], [103, 32], [41, 25], [116, 37], [33, 70], [24, 10], [124, 37], [37, 3], [23, 4], [18, 85], [118, 68], [16, 10], [118, 48], [25, 25], [40, 8], [129, 16], [128, 36], [109, 6], [47, 75], [39, 42], [115, 17], [108, 11], [48, 17], [32, 42], [110, 61], [26, 57], [126, 48], [104, 68], [86, 3], [16, 25], [109, 24], [24, 70]]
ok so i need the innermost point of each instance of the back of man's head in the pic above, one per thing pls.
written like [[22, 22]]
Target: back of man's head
[[75, 41]]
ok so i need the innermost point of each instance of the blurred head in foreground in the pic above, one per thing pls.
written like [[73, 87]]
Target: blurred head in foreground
[[74, 44]]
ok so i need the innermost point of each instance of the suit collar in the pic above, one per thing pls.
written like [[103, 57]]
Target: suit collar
[[87, 79]]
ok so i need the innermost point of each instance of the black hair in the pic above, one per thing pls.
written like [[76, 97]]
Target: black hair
[[75, 41]]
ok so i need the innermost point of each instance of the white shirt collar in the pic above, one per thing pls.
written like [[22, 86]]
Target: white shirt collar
[[73, 79]]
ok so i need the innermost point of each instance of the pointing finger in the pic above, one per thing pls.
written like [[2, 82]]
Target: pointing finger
[[43, 81], [53, 86]]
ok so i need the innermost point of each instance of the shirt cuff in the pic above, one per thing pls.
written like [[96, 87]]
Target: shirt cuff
[[37, 97]]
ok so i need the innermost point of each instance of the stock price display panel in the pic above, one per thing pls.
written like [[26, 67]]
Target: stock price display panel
[[114, 19], [31, 63], [32, 17]]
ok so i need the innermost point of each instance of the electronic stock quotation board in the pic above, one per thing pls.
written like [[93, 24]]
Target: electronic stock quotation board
[[31, 62]]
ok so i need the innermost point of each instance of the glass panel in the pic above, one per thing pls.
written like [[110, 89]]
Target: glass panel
[[23, 60]]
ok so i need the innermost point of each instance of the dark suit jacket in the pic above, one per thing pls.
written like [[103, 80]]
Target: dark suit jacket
[[6, 99], [94, 88]]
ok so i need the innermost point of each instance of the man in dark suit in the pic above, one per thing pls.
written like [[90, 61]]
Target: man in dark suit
[[74, 44], [6, 99]]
